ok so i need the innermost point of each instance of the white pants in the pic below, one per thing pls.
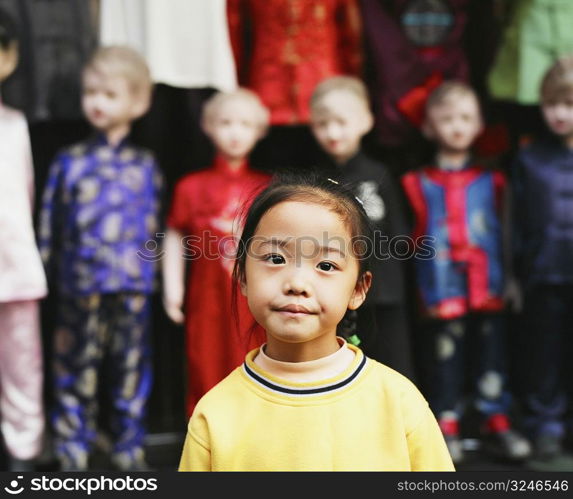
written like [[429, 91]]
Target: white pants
[[21, 378]]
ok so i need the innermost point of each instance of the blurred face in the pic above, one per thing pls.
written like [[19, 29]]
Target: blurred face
[[233, 129], [339, 121], [8, 60], [300, 278], [455, 123], [107, 101], [558, 114]]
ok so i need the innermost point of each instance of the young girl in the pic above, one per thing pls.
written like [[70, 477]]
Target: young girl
[[306, 399]]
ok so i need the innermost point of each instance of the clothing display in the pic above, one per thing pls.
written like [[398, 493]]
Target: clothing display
[[461, 211], [396, 429], [186, 45], [536, 34], [100, 218], [411, 46], [284, 48], [56, 39], [204, 210]]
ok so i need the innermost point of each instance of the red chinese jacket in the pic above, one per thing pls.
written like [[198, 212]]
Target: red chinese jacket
[[284, 48]]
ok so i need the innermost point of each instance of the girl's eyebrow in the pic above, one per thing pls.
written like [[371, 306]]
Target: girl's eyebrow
[[282, 243]]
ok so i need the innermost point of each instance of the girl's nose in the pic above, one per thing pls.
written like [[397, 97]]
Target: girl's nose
[[296, 284]]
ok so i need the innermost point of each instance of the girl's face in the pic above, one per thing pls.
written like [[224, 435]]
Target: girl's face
[[301, 278]]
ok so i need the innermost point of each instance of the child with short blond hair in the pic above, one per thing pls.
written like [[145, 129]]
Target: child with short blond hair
[[202, 235], [460, 204], [99, 221], [340, 118], [543, 222]]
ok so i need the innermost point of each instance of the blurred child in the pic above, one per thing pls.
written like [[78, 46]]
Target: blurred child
[[340, 117], [460, 205], [543, 192], [202, 231], [307, 400], [99, 218], [23, 281]]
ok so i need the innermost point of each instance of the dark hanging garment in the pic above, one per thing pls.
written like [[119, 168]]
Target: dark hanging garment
[[56, 39]]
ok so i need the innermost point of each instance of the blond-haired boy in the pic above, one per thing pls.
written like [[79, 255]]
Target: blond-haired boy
[[98, 224]]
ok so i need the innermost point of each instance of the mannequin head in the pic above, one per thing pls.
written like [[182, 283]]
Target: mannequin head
[[8, 46], [453, 118], [557, 98], [340, 116], [116, 89], [235, 121]]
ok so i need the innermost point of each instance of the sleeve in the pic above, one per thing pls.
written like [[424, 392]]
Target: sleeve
[[196, 456], [350, 42], [179, 214], [51, 214], [426, 445]]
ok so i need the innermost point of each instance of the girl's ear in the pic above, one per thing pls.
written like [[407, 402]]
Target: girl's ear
[[360, 291]]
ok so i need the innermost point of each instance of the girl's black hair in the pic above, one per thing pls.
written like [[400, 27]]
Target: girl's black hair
[[8, 30], [310, 186]]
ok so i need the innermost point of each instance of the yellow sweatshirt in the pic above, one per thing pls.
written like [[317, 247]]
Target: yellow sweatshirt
[[368, 418]]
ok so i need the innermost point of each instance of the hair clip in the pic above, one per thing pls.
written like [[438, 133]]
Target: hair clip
[[333, 181], [359, 200]]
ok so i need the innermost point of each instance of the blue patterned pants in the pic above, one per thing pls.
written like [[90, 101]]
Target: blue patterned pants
[[101, 342]]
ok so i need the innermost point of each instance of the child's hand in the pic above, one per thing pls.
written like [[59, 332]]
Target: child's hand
[[174, 309], [512, 295]]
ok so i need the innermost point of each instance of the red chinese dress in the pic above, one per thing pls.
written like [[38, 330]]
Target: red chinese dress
[[204, 209], [284, 48]]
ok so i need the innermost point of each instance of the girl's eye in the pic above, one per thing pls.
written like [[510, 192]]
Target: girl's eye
[[326, 266], [275, 259]]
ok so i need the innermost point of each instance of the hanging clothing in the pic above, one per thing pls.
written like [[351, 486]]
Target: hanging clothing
[[204, 210], [284, 48], [412, 46], [536, 34], [186, 43], [56, 39]]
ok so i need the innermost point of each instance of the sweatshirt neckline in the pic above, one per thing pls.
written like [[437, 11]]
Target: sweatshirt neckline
[[272, 384]]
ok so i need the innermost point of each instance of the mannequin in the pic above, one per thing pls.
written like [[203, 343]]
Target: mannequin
[[202, 227], [23, 281], [98, 227]]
